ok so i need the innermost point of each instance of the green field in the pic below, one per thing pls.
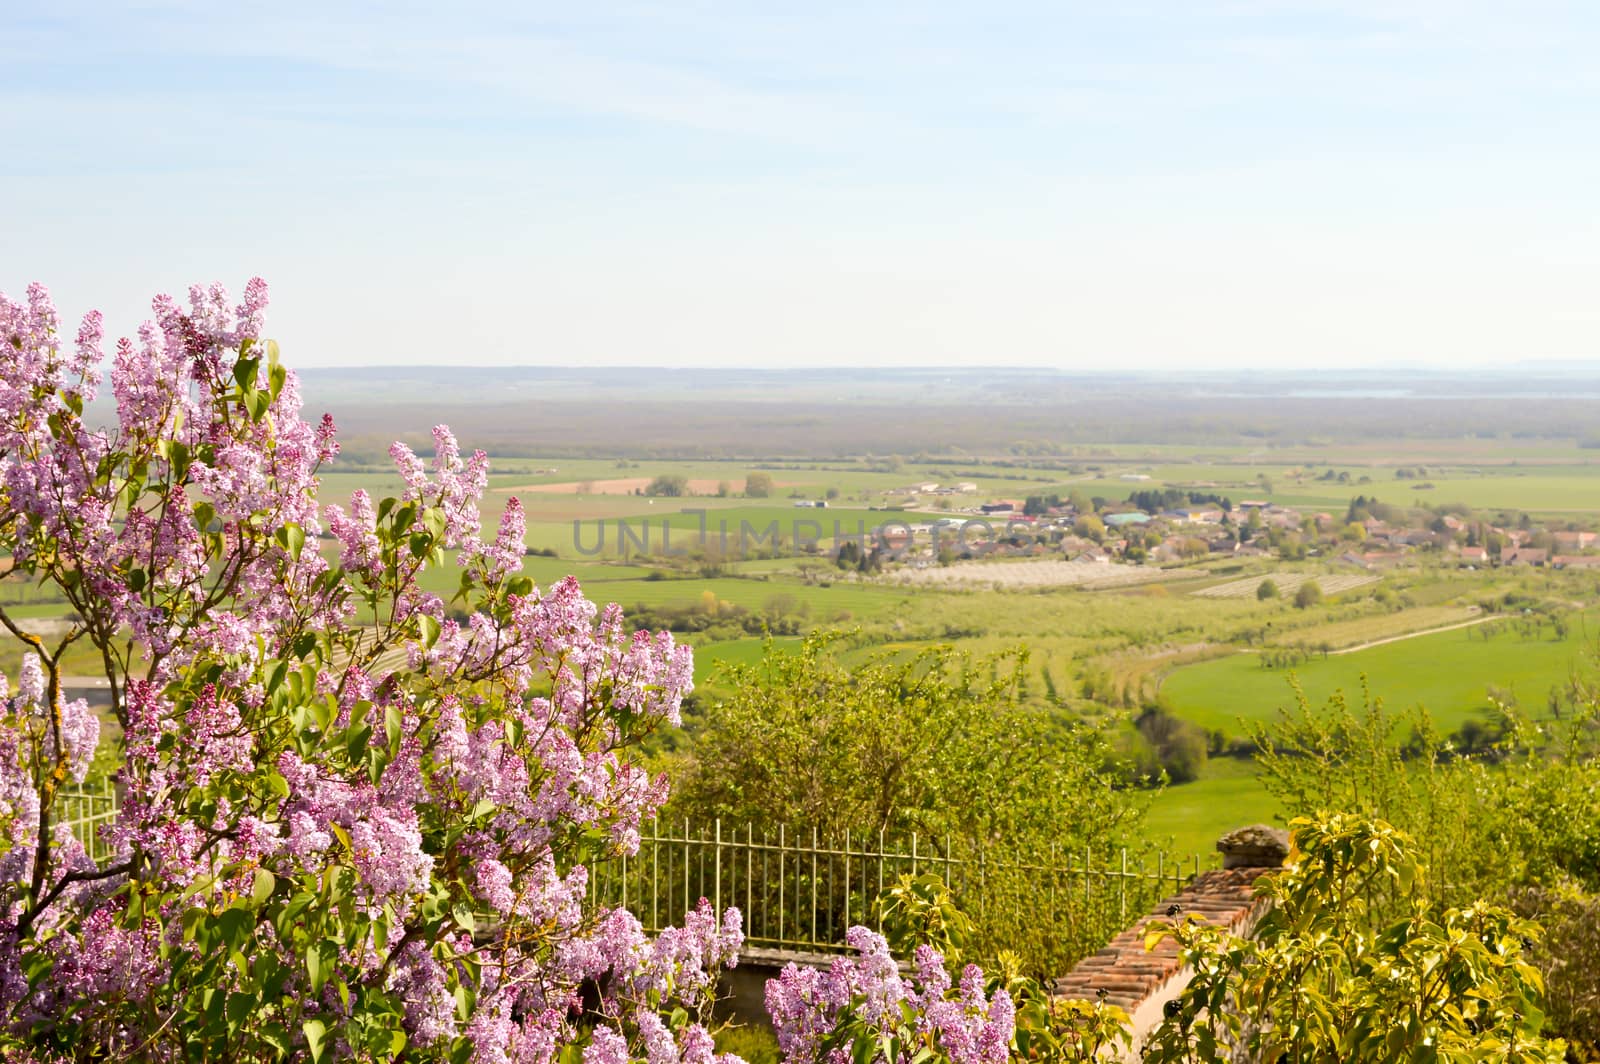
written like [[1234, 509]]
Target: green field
[[710, 660], [1448, 672], [1189, 818]]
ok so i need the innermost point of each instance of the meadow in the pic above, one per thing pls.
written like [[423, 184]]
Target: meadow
[[1452, 674]]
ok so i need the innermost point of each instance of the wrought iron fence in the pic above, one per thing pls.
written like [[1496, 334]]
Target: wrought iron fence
[[799, 890], [84, 811]]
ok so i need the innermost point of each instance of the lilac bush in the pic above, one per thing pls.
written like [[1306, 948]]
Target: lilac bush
[[353, 826], [863, 1008]]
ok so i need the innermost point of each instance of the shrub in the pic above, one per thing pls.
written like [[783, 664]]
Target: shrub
[[668, 485], [322, 852], [1309, 594], [932, 743], [1266, 590], [1322, 979], [1181, 746]]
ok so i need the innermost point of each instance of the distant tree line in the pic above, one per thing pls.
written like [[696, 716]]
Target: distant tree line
[[1155, 500]]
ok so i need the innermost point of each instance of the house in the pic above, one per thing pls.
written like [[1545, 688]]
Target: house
[[1576, 561], [1573, 542], [966, 487], [1001, 506], [1094, 556], [1524, 556], [1475, 555]]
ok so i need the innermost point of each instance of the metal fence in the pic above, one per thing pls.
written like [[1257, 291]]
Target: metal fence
[[84, 811], [799, 890]]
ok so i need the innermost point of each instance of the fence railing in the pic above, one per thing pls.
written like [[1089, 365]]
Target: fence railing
[[84, 811], [800, 890]]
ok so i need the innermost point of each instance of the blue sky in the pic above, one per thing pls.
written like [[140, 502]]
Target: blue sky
[[1124, 184]]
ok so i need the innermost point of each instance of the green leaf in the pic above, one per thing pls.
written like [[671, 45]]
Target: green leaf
[[316, 1032], [292, 538], [259, 403], [434, 520], [275, 674], [235, 925], [244, 372], [265, 883], [392, 726], [240, 1008], [356, 745], [276, 1036], [427, 630], [316, 970]]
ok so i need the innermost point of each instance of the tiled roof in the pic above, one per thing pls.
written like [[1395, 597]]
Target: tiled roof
[[1141, 982], [1128, 974]]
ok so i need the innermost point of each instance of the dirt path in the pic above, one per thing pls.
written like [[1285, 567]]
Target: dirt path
[[1413, 635]]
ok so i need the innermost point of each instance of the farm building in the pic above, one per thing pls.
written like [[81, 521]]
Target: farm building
[[1576, 561]]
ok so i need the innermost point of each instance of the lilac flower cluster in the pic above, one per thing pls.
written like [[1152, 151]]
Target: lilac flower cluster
[[821, 1014], [323, 839]]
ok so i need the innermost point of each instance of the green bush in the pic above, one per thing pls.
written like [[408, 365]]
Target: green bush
[[1310, 594], [1326, 978]]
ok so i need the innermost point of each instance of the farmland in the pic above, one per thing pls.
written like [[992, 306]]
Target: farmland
[[1450, 673], [1288, 583], [1104, 641]]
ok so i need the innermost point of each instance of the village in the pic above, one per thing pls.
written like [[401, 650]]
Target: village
[[1171, 525]]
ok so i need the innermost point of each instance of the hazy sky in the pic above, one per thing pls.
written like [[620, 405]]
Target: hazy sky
[[1123, 183]]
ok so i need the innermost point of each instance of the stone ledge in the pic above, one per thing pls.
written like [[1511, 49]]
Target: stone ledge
[[1141, 981]]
